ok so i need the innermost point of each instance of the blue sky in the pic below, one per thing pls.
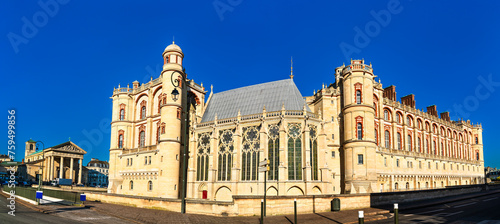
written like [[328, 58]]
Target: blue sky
[[61, 59]]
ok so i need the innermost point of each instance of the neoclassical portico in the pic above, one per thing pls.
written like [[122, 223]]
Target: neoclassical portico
[[61, 161]]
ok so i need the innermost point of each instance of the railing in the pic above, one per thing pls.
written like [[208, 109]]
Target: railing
[[26, 192], [426, 155], [122, 90], [65, 195], [140, 149]]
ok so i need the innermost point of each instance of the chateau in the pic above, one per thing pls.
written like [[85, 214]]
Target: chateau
[[352, 136]]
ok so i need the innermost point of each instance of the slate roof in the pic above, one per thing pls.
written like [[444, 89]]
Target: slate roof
[[252, 99]]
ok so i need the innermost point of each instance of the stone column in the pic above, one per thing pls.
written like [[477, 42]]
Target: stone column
[[80, 171], [61, 168], [51, 170], [71, 169]]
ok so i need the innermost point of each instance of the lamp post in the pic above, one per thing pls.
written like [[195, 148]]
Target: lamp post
[[184, 135], [40, 181]]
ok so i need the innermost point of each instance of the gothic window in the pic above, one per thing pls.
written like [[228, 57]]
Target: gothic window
[[120, 141], [313, 144], [294, 152], [202, 156], [387, 136], [409, 143], [142, 139], [122, 114], [273, 151], [250, 153], [358, 97], [143, 112], [226, 149], [360, 131]]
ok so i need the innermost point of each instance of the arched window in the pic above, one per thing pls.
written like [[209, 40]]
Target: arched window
[[419, 124], [143, 112], [360, 131], [408, 121], [477, 155], [418, 145], [427, 145], [131, 185], [120, 141], [294, 152], [273, 151], [358, 97], [142, 139], [122, 114], [434, 147], [409, 143], [398, 138], [226, 148], [395, 186], [477, 141], [407, 185], [398, 118], [31, 147], [250, 155], [313, 144], [386, 115], [202, 156], [150, 185], [387, 136], [376, 136], [442, 149]]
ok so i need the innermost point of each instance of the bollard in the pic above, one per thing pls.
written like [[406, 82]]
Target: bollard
[[262, 211], [396, 218], [295, 210], [361, 217]]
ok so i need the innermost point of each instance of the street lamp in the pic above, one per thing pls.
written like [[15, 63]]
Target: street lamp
[[40, 181], [184, 135]]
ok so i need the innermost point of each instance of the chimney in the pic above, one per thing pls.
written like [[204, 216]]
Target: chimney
[[445, 116], [390, 92], [408, 100], [432, 110]]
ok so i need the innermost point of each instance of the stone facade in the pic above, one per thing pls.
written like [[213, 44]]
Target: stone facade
[[60, 161], [350, 137]]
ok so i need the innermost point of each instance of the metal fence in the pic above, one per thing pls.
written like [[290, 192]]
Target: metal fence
[[30, 193], [26, 192], [65, 195]]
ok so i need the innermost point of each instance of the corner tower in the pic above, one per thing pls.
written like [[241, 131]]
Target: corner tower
[[171, 114], [358, 115]]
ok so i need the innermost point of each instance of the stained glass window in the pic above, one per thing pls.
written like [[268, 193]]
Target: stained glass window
[[294, 152], [313, 144], [202, 156], [226, 149], [250, 153], [273, 151]]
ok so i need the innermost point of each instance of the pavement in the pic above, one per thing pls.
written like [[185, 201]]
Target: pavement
[[113, 213]]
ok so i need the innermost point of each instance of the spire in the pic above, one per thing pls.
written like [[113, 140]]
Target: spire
[[291, 67]]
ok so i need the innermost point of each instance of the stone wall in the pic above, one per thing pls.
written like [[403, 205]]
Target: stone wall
[[241, 205]]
